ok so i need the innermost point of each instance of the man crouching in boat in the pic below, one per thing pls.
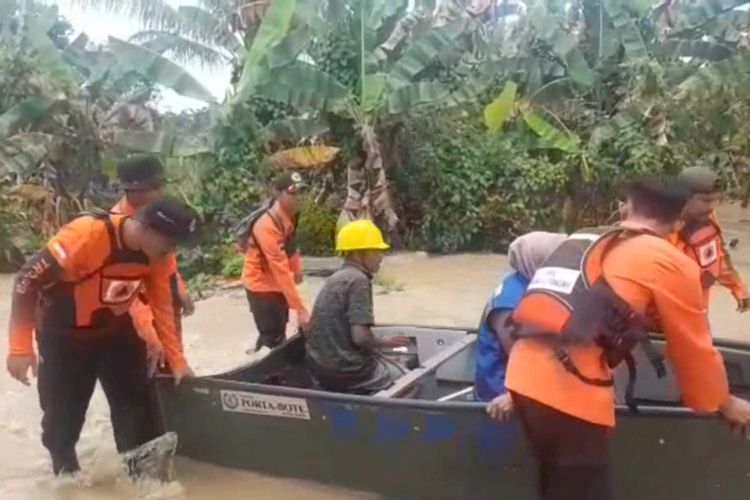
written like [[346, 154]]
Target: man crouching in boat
[[582, 314], [341, 348]]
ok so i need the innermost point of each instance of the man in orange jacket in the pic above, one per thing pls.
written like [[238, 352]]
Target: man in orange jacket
[[566, 408], [273, 266], [76, 294], [142, 178], [700, 237]]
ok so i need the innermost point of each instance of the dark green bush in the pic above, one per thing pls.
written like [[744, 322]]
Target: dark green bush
[[317, 228]]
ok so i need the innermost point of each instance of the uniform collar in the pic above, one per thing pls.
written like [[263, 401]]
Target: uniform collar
[[285, 219]]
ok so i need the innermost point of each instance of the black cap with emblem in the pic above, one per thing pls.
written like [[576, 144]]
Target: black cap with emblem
[[141, 173], [173, 219], [289, 182]]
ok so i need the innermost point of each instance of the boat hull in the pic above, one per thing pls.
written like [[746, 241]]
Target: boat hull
[[404, 448]]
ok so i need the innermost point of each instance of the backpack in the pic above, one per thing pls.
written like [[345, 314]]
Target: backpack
[[569, 303], [243, 230]]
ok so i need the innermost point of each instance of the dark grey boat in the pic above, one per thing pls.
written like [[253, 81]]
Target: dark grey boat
[[269, 417]]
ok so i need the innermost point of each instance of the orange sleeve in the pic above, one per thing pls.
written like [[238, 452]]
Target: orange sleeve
[[295, 263], [269, 239], [728, 275], [698, 366], [74, 250], [173, 269], [143, 320], [159, 294]]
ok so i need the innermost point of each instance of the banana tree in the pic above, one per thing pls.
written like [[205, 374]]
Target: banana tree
[[392, 83]]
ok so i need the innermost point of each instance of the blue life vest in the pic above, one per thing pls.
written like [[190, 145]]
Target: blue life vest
[[491, 358]]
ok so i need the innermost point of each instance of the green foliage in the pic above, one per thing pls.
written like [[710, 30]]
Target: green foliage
[[316, 232]]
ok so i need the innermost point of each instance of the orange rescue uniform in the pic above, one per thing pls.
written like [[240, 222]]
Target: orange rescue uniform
[[143, 317], [267, 266], [95, 284], [705, 246], [646, 272]]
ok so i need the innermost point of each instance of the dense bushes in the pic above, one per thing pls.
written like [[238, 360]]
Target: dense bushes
[[462, 188]]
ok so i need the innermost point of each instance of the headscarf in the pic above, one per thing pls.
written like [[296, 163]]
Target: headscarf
[[529, 251]]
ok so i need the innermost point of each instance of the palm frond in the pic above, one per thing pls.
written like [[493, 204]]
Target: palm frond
[[182, 49], [150, 14]]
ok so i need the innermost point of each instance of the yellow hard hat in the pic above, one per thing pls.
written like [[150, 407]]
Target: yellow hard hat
[[360, 235]]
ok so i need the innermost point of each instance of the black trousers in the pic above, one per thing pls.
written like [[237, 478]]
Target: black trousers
[[573, 455], [70, 365], [271, 314]]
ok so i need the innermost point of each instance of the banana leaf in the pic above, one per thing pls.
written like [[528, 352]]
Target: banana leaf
[[372, 91], [289, 49], [162, 142], [180, 48], [712, 77], [158, 69], [272, 30], [304, 157], [304, 87], [562, 43], [22, 153], [404, 99], [25, 113], [558, 139], [698, 49], [627, 30], [499, 110], [292, 129], [703, 11], [728, 27], [419, 55]]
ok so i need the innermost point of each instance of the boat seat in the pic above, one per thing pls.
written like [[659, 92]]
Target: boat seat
[[409, 382]]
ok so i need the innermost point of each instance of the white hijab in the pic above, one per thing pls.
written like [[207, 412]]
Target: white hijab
[[529, 251]]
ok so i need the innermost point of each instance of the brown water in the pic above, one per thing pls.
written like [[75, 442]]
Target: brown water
[[416, 289]]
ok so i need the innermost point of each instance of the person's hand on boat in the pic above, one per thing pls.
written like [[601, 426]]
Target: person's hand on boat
[[188, 306], [182, 374], [156, 357], [19, 366], [501, 407], [303, 320], [743, 305], [736, 411], [397, 341]]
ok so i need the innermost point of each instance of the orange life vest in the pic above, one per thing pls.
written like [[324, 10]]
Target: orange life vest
[[568, 303], [98, 301], [704, 241]]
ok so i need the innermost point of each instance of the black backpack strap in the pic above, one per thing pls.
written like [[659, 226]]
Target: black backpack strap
[[103, 216], [564, 357], [630, 388]]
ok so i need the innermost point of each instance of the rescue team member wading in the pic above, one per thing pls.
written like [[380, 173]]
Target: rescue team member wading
[[700, 237], [76, 294], [273, 265], [582, 313], [143, 179], [341, 348]]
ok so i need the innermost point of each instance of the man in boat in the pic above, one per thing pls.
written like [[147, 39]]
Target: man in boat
[[525, 254], [700, 237], [273, 265], [582, 314], [142, 178], [76, 293], [342, 352]]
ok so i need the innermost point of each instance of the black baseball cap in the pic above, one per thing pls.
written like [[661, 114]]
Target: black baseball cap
[[172, 218], [289, 182], [700, 179], [141, 173]]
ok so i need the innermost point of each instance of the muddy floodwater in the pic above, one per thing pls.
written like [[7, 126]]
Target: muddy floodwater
[[413, 288]]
